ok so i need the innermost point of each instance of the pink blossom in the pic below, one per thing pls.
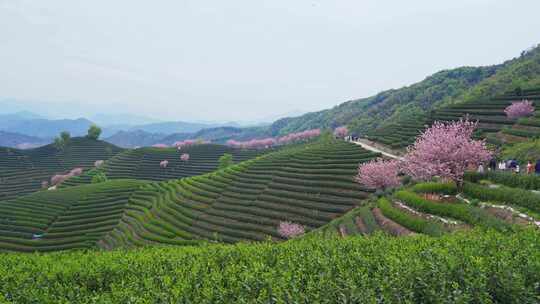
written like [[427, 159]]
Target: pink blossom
[[290, 230], [98, 163], [59, 178], [519, 109], [341, 131], [379, 174], [161, 146], [44, 184], [271, 141], [164, 163], [445, 150], [184, 157], [189, 142], [76, 171]]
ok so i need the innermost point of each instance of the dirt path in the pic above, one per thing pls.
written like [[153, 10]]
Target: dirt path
[[368, 145]]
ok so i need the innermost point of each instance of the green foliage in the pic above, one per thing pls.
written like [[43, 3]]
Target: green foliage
[[411, 222], [434, 187], [459, 211], [531, 182], [225, 161], [65, 136], [94, 132], [458, 268], [99, 177], [526, 151], [59, 144], [62, 140], [505, 195]]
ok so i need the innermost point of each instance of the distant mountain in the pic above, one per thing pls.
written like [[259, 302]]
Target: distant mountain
[[136, 138], [174, 127], [20, 141], [46, 128], [121, 121]]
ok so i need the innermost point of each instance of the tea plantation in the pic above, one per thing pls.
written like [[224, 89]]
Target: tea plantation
[[309, 184], [493, 123], [458, 268], [144, 163], [23, 171]]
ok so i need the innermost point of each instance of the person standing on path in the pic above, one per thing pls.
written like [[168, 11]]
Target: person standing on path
[[537, 167], [530, 167]]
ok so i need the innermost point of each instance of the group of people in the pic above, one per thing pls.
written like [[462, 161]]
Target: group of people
[[511, 165]]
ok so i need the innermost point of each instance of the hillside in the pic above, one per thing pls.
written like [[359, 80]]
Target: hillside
[[21, 141], [23, 171], [136, 138], [309, 184], [144, 163]]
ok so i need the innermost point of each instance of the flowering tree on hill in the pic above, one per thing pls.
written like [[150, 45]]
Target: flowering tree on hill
[[341, 131], [184, 157], [445, 150], [379, 174], [163, 164], [266, 143], [161, 146], [290, 230], [519, 109]]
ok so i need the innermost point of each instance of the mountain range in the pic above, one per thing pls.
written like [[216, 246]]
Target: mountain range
[[362, 115]]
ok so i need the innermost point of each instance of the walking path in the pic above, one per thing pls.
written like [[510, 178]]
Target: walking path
[[369, 146]]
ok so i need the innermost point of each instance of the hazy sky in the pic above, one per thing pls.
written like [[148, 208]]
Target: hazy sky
[[241, 60]]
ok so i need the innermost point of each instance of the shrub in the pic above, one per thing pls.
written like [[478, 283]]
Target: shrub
[[225, 161], [94, 132], [410, 222], [531, 182], [505, 195], [378, 174], [99, 177], [476, 267], [290, 230], [463, 212], [519, 109], [433, 187]]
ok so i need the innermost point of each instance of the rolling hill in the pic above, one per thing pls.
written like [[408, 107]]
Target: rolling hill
[[144, 163], [23, 171], [309, 184]]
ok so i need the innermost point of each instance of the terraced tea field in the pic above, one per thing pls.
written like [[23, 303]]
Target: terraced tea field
[[493, 122], [23, 171], [63, 219], [144, 163], [309, 184], [434, 209]]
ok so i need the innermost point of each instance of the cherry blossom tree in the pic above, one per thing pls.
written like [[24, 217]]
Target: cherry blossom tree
[[290, 230], [341, 131], [445, 150], [163, 164], [519, 109], [98, 163], [60, 178], [76, 171], [184, 157], [379, 174]]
